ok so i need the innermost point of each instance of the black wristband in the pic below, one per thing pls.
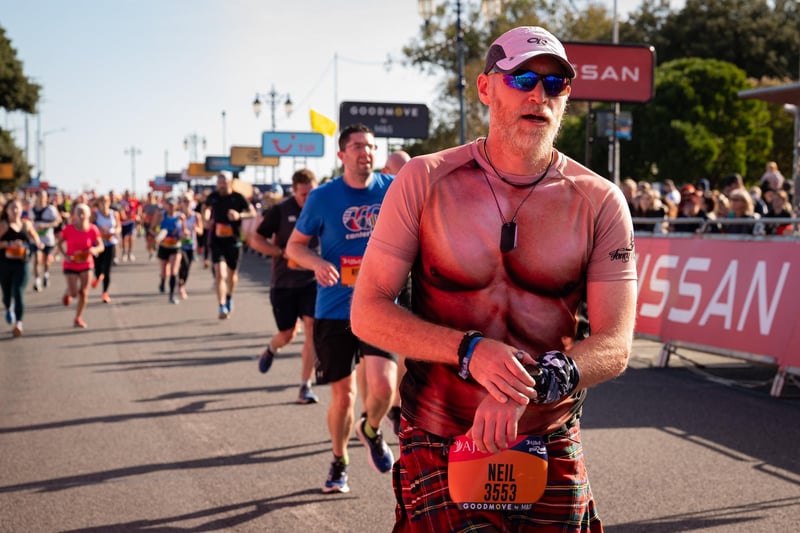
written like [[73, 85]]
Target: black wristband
[[464, 352]]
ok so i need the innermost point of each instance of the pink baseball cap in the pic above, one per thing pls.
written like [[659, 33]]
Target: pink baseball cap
[[517, 46]]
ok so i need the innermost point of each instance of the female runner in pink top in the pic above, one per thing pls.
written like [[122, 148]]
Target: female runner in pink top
[[79, 242]]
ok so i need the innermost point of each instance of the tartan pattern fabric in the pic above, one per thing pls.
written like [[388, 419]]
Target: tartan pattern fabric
[[424, 504]]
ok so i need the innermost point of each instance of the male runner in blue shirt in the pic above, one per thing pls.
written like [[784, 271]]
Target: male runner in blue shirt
[[342, 214]]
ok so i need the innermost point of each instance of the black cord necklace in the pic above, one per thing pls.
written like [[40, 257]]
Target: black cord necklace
[[534, 183], [508, 231]]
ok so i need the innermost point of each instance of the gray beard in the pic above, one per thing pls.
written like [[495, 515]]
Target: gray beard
[[537, 147]]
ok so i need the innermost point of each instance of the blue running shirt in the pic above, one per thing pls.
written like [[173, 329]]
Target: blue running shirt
[[343, 219]]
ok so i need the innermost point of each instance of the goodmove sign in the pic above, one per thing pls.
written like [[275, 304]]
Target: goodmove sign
[[612, 72], [398, 120]]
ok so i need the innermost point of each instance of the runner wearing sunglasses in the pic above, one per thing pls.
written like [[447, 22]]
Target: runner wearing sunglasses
[[502, 237]]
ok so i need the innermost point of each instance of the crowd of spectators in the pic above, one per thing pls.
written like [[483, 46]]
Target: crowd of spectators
[[732, 208]]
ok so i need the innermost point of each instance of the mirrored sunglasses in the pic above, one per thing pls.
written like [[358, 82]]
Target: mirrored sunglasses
[[526, 81]]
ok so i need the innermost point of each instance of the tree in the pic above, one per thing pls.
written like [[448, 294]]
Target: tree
[[760, 37], [17, 93], [697, 126]]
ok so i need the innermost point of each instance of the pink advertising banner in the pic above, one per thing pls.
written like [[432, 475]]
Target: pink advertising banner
[[612, 72], [741, 296]]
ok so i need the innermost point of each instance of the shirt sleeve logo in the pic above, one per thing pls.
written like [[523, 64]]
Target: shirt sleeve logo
[[623, 254]]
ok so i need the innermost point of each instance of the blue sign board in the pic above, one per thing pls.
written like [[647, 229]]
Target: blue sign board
[[292, 144], [218, 163], [605, 123]]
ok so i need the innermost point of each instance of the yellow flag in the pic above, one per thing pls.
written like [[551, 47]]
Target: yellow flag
[[322, 124]]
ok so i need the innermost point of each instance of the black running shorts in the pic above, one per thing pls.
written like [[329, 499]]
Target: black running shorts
[[338, 350]]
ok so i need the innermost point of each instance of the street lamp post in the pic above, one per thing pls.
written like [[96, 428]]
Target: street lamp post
[[272, 97], [133, 152], [491, 9], [190, 143], [224, 133]]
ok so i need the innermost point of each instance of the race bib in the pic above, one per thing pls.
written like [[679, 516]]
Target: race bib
[[186, 241], [80, 257], [349, 268], [223, 230], [512, 480], [16, 252], [169, 242]]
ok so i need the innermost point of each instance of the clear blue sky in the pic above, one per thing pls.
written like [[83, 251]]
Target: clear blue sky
[[147, 74]]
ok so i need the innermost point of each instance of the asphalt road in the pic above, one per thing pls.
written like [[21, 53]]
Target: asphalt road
[[155, 418]]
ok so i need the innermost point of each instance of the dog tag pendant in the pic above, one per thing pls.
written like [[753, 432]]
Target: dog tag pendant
[[508, 237]]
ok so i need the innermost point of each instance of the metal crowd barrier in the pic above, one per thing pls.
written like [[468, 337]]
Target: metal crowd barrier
[[663, 226]]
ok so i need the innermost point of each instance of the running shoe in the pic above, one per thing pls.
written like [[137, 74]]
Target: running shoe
[[37, 285], [173, 300], [394, 417], [265, 360], [131, 258], [337, 478], [183, 293], [161, 288], [79, 323], [17, 329], [380, 456], [96, 281], [9, 316], [66, 300], [223, 312], [105, 298], [229, 304], [46, 279], [306, 395]]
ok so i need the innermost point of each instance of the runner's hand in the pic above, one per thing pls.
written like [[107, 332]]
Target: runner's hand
[[496, 367], [326, 274], [495, 424]]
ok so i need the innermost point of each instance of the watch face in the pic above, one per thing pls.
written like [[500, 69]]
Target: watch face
[[533, 370]]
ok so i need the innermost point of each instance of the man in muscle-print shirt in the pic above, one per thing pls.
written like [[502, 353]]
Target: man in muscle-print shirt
[[503, 237]]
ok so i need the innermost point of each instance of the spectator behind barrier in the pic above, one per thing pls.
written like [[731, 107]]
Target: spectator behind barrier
[[629, 189], [691, 206], [731, 182], [670, 193], [772, 178], [647, 204], [723, 205], [710, 205], [741, 207], [781, 207], [759, 205]]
